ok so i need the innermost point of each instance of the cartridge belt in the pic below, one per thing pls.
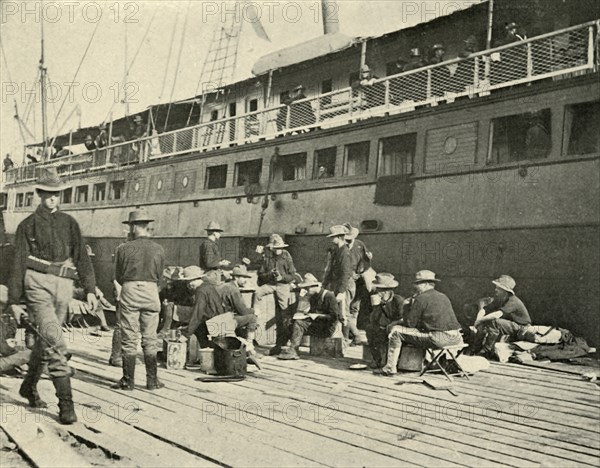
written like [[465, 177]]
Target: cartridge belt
[[61, 269]]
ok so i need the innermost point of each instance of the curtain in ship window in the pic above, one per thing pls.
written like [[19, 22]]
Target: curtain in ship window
[[396, 155]]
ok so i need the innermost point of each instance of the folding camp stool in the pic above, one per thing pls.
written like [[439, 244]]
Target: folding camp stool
[[452, 352]]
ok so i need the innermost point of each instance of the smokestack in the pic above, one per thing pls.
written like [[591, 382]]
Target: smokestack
[[329, 10]]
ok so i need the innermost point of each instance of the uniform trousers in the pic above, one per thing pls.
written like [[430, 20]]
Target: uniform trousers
[[47, 297], [139, 312]]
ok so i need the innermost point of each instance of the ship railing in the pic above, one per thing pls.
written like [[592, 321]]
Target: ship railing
[[554, 55]]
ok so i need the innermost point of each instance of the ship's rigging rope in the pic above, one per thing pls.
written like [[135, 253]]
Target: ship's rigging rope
[[164, 82], [185, 22], [75, 76], [133, 59]]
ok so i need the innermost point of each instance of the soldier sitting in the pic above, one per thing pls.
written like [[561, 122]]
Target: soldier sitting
[[318, 314]]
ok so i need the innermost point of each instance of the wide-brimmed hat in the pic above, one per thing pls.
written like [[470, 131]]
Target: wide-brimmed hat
[[416, 52], [240, 270], [276, 242], [385, 281], [506, 282], [88, 138], [352, 232], [138, 216], [337, 230], [309, 281], [298, 88], [191, 273], [102, 126], [214, 226], [437, 47], [49, 180], [425, 276], [138, 118], [365, 68], [511, 25]]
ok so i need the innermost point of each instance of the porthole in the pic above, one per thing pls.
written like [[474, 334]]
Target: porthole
[[450, 145], [185, 181], [136, 187], [159, 184]]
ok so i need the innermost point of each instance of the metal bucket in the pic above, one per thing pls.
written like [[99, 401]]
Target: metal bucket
[[230, 356], [207, 360]]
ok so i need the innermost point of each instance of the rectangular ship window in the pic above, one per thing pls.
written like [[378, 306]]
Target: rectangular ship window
[[19, 200], [66, 196], [216, 177], [29, 199], [397, 155], [356, 158], [81, 194], [324, 166], [248, 172], [521, 137], [582, 122], [290, 167], [117, 189], [326, 87], [100, 191]]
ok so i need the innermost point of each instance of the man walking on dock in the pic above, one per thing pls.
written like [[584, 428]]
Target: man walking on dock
[[49, 255]]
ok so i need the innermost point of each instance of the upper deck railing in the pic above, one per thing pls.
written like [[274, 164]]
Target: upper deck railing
[[551, 55]]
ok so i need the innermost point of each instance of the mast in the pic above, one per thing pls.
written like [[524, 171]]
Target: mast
[[43, 72], [125, 75]]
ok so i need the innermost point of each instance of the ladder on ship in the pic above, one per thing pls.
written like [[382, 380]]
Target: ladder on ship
[[219, 66]]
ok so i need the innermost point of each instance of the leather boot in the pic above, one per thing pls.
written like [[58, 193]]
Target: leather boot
[[115, 353], [127, 382], [152, 382], [393, 355], [28, 388], [490, 340], [66, 413]]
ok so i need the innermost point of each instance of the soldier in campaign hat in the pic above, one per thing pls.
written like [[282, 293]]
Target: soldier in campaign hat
[[428, 321], [139, 265], [49, 254], [210, 253]]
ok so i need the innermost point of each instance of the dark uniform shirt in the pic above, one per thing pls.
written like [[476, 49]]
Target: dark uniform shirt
[[233, 300], [358, 256], [512, 309], [339, 270], [208, 304], [139, 260], [210, 255], [54, 237], [324, 302], [431, 311], [387, 312], [282, 263]]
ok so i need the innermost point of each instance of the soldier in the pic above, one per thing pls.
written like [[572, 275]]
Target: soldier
[[428, 322], [274, 277], [207, 302], [233, 302], [210, 254], [138, 266], [49, 255], [321, 315], [338, 274], [387, 309], [361, 261]]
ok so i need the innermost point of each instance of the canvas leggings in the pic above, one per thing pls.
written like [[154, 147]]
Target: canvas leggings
[[47, 297], [139, 313], [283, 318]]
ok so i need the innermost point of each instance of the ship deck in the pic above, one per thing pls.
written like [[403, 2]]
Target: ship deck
[[311, 412]]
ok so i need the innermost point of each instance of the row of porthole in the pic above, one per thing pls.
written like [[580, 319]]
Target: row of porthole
[[184, 182]]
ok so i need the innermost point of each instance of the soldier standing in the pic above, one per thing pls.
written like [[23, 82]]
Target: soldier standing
[[274, 277], [338, 274], [210, 253], [138, 268], [49, 255]]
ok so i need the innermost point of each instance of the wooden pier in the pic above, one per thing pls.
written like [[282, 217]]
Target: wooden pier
[[311, 412]]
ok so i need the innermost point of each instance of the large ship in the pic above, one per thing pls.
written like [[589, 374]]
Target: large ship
[[486, 163]]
